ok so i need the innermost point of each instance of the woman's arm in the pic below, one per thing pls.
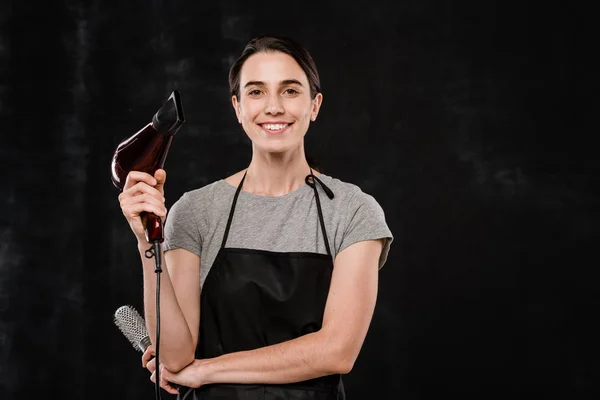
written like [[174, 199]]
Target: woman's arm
[[179, 306], [181, 274], [333, 349]]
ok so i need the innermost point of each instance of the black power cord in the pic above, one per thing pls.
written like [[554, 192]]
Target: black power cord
[[156, 252]]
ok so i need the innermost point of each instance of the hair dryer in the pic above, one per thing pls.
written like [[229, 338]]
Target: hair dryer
[[146, 151]]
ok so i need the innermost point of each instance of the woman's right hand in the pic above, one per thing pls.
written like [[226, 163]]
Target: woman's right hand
[[143, 193]]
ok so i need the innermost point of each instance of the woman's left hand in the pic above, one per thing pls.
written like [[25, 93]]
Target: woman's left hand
[[190, 376]]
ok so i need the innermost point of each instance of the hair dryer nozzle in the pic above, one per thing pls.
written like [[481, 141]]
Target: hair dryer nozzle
[[169, 118]]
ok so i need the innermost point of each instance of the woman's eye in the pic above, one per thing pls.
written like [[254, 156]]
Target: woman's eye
[[254, 92], [291, 91]]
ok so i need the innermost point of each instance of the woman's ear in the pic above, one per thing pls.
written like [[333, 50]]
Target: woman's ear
[[236, 107], [316, 106]]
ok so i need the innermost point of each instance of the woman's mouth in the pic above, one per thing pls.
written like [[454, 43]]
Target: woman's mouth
[[275, 128]]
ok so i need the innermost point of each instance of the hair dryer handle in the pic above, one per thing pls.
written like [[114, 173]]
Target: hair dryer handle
[[153, 227]]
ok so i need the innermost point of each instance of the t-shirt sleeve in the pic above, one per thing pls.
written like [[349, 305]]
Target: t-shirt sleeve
[[181, 229], [366, 221]]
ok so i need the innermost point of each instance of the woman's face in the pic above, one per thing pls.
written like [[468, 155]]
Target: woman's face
[[274, 105]]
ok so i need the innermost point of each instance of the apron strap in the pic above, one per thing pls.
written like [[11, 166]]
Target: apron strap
[[310, 181], [237, 193], [330, 194]]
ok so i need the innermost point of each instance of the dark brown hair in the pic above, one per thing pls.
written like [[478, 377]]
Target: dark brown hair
[[273, 43]]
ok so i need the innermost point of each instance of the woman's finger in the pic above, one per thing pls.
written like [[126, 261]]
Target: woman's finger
[[151, 365], [142, 198], [161, 176], [134, 210], [141, 187], [165, 382], [134, 177], [147, 356]]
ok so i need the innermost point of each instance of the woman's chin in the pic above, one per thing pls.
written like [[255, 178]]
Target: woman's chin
[[272, 146]]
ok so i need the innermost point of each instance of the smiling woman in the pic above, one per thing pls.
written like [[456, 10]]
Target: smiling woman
[[271, 274], [274, 104]]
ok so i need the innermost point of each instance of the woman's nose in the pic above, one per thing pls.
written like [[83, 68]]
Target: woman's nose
[[274, 106]]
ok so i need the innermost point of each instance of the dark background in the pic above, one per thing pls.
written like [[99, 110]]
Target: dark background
[[470, 122]]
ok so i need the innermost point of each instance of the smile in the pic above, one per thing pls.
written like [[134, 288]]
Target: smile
[[275, 128]]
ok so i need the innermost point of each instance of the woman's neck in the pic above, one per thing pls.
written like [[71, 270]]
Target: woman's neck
[[276, 174]]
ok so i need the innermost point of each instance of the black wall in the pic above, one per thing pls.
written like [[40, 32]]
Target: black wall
[[470, 122]]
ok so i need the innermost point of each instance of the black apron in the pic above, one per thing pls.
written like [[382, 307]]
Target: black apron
[[255, 298]]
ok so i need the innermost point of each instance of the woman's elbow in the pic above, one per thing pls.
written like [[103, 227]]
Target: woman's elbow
[[176, 359], [341, 360], [345, 363], [176, 364]]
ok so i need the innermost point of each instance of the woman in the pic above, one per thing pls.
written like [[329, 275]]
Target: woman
[[270, 276]]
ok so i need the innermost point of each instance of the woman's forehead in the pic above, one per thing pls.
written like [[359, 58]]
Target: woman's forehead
[[272, 68]]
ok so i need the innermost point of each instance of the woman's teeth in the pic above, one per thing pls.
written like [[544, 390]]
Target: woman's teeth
[[274, 127]]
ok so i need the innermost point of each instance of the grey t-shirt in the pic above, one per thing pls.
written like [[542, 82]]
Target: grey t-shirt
[[288, 223]]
